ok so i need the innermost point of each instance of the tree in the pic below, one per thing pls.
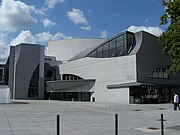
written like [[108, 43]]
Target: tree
[[170, 39]]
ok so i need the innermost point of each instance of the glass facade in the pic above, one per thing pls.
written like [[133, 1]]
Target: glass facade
[[49, 72], [70, 96], [34, 83], [148, 94], [119, 46]]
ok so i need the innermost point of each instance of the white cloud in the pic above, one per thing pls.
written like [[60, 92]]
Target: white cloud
[[90, 11], [146, 20], [113, 15], [37, 11], [104, 34], [52, 3], [15, 15], [43, 37], [153, 30], [24, 37], [47, 36], [77, 16], [4, 50], [27, 37], [86, 27], [60, 35], [48, 23]]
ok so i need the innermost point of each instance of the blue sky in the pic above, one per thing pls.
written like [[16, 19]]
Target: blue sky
[[40, 21]]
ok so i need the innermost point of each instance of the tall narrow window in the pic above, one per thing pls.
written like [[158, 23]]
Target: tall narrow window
[[34, 83], [1, 75]]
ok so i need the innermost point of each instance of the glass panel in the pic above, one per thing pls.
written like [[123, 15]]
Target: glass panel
[[119, 41], [113, 44], [99, 50], [155, 74], [129, 49], [120, 51], [131, 43], [106, 47], [71, 77], [90, 55], [99, 55], [94, 54], [130, 39], [125, 39], [105, 54], [67, 77], [160, 74], [113, 53], [125, 50]]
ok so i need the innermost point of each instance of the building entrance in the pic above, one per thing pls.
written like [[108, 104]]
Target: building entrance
[[149, 94]]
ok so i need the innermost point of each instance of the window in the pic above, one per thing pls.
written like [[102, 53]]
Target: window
[[71, 77], [120, 51], [99, 52], [94, 54], [106, 47], [118, 46], [113, 52], [120, 41], [113, 44], [49, 72], [1, 75], [130, 43], [159, 73], [105, 53], [34, 83]]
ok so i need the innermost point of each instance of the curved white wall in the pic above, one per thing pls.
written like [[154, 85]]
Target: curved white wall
[[64, 50]]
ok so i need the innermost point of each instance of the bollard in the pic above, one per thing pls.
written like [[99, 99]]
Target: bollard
[[116, 124], [58, 125], [162, 125]]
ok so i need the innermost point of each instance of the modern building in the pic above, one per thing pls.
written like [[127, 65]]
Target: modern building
[[127, 68], [29, 68], [26, 71]]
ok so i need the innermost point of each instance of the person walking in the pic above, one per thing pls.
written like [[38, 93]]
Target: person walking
[[176, 102]]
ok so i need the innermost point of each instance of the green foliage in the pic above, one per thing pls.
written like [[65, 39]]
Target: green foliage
[[170, 39]]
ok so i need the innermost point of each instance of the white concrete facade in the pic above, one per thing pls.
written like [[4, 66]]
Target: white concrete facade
[[106, 71]]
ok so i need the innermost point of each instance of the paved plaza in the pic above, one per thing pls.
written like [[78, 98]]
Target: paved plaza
[[26, 117]]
